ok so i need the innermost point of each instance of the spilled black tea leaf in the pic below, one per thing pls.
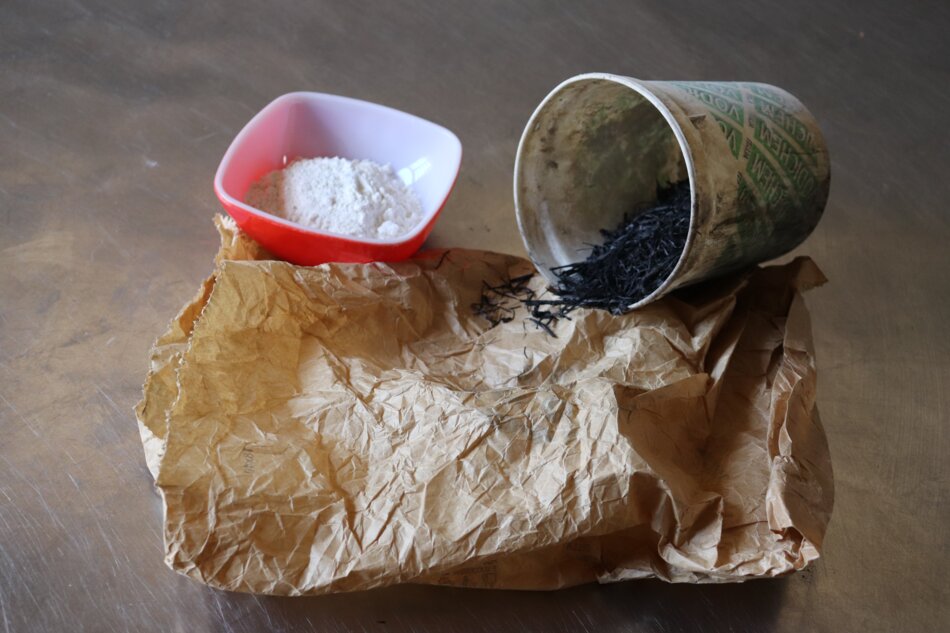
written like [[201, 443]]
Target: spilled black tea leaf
[[498, 303], [634, 259]]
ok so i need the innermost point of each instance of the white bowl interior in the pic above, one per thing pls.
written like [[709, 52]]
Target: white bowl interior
[[307, 124]]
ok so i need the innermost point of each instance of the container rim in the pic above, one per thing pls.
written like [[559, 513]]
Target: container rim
[[643, 90]]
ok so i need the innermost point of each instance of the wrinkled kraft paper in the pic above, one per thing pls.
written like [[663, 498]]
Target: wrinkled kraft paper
[[350, 426]]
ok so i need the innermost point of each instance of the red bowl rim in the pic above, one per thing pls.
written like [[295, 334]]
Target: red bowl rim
[[228, 200]]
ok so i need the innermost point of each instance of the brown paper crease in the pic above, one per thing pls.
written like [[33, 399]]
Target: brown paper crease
[[349, 426]]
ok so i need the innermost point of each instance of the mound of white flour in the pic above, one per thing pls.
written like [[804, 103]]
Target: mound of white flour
[[350, 197]]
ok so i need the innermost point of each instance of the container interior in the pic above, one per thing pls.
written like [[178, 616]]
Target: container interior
[[595, 151]]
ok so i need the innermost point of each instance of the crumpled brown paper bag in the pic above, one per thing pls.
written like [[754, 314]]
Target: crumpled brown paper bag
[[349, 426]]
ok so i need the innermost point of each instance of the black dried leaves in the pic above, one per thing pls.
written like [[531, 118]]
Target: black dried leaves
[[634, 259]]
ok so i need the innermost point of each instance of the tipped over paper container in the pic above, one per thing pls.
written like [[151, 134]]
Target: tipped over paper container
[[600, 145]]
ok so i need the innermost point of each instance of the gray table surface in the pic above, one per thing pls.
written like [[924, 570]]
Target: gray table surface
[[114, 115]]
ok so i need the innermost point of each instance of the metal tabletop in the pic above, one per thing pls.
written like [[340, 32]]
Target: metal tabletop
[[114, 115]]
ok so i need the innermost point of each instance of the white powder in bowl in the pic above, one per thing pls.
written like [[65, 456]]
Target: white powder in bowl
[[359, 198]]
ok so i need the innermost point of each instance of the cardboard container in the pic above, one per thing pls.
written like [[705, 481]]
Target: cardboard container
[[599, 145]]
